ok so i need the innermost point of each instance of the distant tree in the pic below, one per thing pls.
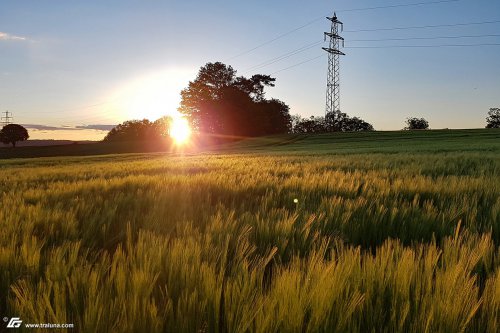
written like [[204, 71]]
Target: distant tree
[[13, 133], [295, 120], [139, 130], [162, 126], [219, 102], [493, 119], [356, 124], [332, 122], [310, 125], [416, 124]]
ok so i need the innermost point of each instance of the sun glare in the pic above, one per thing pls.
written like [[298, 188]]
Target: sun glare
[[180, 130], [151, 95]]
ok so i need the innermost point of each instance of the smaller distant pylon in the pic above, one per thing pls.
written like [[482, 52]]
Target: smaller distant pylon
[[6, 119]]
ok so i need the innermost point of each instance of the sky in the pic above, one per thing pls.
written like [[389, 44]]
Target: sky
[[71, 69]]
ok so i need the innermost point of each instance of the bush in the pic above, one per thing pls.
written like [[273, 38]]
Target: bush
[[416, 124], [493, 119]]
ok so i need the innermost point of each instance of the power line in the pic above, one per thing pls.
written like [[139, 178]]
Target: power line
[[422, 38], [388, 46], [425, 26], [309, 46], [276, 38], [421, 46], [400, 5], [285, 56], [313, 45], [298, 64], [342, 10]]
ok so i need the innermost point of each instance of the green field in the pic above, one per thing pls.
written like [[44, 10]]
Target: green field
[[362, 232]]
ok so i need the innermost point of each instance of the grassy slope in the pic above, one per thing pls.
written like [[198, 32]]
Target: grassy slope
[[392, 232], [371, 142], [339, 143]]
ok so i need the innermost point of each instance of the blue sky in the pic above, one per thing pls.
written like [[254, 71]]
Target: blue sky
[[79, 63]]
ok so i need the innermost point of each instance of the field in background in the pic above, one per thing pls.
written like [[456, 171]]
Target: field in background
[[338, 143], [382, 232]]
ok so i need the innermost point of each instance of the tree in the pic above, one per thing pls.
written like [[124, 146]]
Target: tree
[[276, 117], [140, 130], [162, 126], [332, 122], [356, 124], [493, 119], [13, 133], [219, 102], [310, 125], [416, 124], [341, 122]]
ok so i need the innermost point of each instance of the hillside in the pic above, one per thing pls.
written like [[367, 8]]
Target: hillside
[[336, 143], [373, 142]]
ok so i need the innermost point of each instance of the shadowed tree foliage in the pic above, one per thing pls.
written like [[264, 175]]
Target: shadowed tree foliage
[[219, 102], [162, 126], [12, 133], [493, 119], [416, 124], [140, 130], [276, 117], [339, 121], [356, 124], [333, 122], [311, 125]]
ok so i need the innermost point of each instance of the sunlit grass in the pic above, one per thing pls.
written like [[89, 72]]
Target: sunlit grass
[[253, 243]]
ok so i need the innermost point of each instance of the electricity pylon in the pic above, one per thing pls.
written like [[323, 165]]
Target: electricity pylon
[[333, 77], [6, 119]]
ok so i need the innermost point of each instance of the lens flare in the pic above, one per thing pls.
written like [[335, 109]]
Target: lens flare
[[180, 131]]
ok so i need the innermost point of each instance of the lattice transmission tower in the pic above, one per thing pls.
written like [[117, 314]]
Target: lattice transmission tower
[[6, 119], [333, 77]]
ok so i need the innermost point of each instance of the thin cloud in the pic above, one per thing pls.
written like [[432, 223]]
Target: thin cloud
[[97, 127], [6, 36], [71, 128], [43, 127]]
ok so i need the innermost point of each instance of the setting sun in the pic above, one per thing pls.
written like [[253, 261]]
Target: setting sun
[[151, 95], [180, 130]]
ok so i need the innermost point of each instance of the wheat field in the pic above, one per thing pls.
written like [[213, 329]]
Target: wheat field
[[253, 242]]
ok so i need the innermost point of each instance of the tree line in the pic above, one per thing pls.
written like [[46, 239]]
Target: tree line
[[220, 103], [133, 130]]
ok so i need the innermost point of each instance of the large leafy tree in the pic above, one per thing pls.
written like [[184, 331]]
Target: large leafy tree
[[12, 133], [493, 119], [220, 102]]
